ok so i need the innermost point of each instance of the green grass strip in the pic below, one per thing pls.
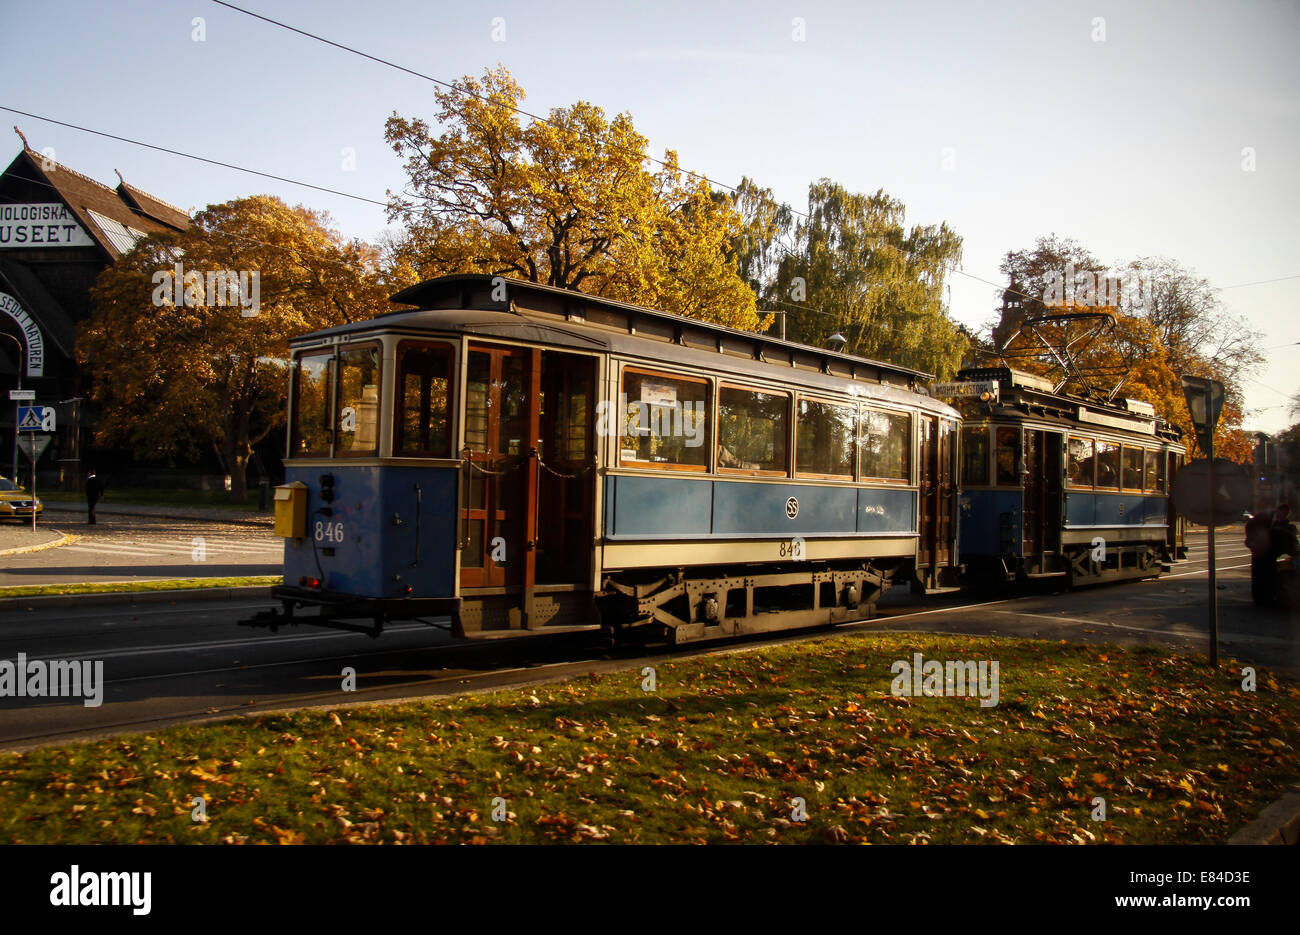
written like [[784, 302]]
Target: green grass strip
[[727, 748], [166, 584]]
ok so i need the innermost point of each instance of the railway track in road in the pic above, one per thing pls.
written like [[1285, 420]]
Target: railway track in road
[[181, 665]]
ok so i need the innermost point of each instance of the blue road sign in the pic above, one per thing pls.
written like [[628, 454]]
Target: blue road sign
[[29, 418]]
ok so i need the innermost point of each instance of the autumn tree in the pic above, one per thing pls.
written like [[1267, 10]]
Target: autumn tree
[[572, 200], [855, 268], [179, 367], [1167, 322]]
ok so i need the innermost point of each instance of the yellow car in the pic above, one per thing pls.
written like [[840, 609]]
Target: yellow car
[[16, 503]]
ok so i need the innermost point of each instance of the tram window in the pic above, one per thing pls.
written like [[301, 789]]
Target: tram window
[[1008, 456], [665, 423], [1107, 464], [824, 439], [752, 431], [1132, 468], [886, 445], [357, 422], [424, 396], [1080, 461], [1160, 472], [974, 456], [1149, 481], [311, 417]]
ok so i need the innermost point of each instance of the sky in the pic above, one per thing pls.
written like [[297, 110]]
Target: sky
[[1166, 129]]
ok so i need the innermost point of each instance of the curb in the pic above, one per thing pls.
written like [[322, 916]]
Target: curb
[[64, 539], [1279, 823], [126, 509], [48, 601]]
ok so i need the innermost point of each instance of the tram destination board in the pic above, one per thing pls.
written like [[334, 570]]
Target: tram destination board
[[1230, 494]]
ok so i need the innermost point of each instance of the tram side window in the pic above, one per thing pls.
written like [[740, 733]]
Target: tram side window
[[357, 422], [1107, 464], [824, 439], [1132, 468], [752, 431], [1160, 472], [1080, 461], [974, 456], [665, 423], [1149, 480], [424, 400], [886, 445], [1008, 456], [311, 397]]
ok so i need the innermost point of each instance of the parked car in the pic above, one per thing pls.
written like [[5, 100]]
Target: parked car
[[15, 502]]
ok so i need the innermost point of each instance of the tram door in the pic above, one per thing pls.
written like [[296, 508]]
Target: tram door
[[498, 392], [1043, 487], [938, 498]]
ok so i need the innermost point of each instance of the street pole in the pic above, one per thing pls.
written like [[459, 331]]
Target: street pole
[[32, 450], [1214, 579]]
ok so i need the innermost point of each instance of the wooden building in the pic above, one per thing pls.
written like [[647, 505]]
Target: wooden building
[[58, 230]]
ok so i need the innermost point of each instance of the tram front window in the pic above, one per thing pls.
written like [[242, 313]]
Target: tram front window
[[357, 422], [311, 416], [424, 386]]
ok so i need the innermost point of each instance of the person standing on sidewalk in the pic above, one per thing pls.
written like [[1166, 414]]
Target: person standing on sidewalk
[[94, 490]]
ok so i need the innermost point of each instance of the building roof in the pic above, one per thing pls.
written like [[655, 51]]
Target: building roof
[[114, 218]]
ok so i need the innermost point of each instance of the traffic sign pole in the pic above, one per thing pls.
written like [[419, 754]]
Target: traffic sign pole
[[1205, 405]]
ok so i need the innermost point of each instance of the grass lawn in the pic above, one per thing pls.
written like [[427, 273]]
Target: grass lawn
[[153, 496], [717, 753], [165, 584]]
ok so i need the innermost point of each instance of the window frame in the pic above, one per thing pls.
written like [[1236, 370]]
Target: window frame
[[988, 451], [339, 349], [1119, 460], [402, 345], [709, 416], [1018, 466], [909, 447], [1092, 442], [788, 435], [852, 476], [1124, 469], [330, 353]]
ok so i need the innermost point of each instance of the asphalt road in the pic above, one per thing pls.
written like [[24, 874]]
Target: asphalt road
[[165, 663], [139, 548]]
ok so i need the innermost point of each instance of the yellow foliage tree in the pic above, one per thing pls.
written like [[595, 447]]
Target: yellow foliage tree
[[569, 201], [183, 362]]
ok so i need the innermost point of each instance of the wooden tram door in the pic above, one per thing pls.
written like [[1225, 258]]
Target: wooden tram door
[[936, 517], [1043, 479], [499, 391], [530, 491]]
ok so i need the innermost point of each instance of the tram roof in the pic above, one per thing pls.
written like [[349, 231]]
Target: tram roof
[[473, 292]]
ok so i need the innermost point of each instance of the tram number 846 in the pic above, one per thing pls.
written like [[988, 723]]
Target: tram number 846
[[328, 532]]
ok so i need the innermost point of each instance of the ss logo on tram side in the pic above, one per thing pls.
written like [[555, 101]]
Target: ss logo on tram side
[[329, 532]]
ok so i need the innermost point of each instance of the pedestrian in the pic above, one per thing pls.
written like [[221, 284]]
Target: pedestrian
[[94, 490], [1283, 541]]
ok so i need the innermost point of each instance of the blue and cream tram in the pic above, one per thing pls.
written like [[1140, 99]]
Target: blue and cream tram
[[524, 458], [1060, 486]]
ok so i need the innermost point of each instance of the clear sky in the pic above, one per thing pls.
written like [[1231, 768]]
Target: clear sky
[[1131, 143]]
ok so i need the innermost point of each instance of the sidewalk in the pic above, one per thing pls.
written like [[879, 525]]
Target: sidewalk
[[16, 537], [236, 517]]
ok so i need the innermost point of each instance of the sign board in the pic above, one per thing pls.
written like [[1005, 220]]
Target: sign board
[[1134, 423], [1230, 496], [966, 388], [41, 225], [1205, 404], [33, 445], [31, 334], [35, 418], [20, 395]]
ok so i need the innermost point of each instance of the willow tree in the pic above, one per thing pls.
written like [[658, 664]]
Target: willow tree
[[856, 269], [188, 338], [570, 200]]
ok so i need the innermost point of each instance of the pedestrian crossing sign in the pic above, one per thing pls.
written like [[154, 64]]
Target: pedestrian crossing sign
[[35, 419]]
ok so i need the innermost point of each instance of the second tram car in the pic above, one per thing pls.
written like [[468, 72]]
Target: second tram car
[[1058, 486], [527, 458]]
